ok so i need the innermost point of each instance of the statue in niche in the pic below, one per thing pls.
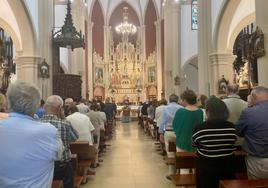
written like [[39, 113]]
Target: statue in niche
[[151, 75], [114, 79], [223, 85], [99, 76], [125, 69]]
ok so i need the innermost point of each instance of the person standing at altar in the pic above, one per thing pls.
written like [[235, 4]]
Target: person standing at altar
[[126, 113]]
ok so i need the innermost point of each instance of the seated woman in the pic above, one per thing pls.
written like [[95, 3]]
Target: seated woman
[[215, 143], [185, 120]]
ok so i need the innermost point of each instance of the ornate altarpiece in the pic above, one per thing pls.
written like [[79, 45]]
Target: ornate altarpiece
[[248, 47], [127, 74]]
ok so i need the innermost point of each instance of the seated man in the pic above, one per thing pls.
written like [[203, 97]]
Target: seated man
[[55, 116], [253, 126], [95, 119], [165, 127], [82, 124], [28, 148]]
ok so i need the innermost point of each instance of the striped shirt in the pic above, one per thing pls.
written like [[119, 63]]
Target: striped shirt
[[214, 139]]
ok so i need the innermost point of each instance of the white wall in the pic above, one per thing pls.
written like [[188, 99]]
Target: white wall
[[32, 6], [10, 20], [188, 36], [216, 6], [245, 8], [191, 75]]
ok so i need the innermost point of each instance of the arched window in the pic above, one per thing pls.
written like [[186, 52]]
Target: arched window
[[194, 16]]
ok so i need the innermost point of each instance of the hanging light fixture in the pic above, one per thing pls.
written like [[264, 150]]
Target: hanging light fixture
[[68, 36], [126, 28]]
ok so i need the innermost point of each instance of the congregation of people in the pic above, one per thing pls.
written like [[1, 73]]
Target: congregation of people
[[214, 128], [36, 134]]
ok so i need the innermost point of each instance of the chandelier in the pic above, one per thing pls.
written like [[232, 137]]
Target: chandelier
[[126, 28]]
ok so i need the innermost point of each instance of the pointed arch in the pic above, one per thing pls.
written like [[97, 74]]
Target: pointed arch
[[26, 27], [97, 31], [225, 32], [150, 29], [155, 7], [133, 14], [117, 17], [12, 33]]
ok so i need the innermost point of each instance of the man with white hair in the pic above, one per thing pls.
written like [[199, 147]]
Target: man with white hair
[[234, 103], [67, 103], [166, 129], [235, 106], [28, 148], [55, 116], [253, 126]]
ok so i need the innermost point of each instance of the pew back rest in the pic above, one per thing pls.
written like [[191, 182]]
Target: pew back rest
[[240, 165], [185, 160], [244, 183], [171, 146], [80, 147]]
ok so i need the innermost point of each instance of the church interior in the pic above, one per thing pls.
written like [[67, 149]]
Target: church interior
[[133, 51], [168, 46]]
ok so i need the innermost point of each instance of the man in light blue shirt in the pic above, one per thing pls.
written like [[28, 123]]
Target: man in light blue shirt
[[165, 127], [28, 148]]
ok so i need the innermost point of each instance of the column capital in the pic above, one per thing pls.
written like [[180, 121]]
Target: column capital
[[217, 58]]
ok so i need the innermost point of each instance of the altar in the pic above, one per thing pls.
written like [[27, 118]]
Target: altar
[[134, 109], [126, 72]]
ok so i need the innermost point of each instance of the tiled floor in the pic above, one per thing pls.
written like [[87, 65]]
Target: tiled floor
[[131, 162]]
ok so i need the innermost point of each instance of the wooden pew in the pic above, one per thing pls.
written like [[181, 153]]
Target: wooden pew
[[244, 183], [171, 148], [240, 165], [82, 150], [185, 160], [188, 160], [77, 179], [57, 184]]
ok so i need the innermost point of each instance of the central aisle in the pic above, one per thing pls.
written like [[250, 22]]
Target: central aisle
[[131, 162]]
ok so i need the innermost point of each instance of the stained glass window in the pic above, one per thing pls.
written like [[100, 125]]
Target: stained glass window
[[194, 10]]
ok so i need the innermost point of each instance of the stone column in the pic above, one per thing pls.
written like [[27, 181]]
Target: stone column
[[172, 17], [220, 64], [261, 21], [106, 80], [27, 70], [78, 54], [90, 60], [45, 26], [143, 41], [204, 45], [158, 58]]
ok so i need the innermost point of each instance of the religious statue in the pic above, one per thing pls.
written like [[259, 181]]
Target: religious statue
[[151, 75], [223, 85]]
